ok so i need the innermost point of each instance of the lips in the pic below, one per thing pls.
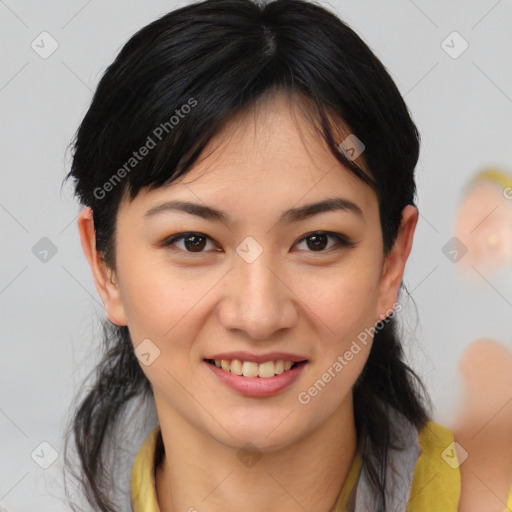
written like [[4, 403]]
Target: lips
[[264, 385]]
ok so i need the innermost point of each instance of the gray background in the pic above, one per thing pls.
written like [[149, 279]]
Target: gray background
[[50, 310]]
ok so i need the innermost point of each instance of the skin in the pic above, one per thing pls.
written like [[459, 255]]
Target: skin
[[483, 426], [293, 297], [484, 225]]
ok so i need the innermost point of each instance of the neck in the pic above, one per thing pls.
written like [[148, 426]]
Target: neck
[[200, 474]]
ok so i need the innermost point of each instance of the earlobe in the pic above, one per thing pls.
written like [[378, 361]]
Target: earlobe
[[104, 276], [394, 264]]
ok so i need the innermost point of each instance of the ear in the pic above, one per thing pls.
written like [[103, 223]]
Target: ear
[[394, 264], [104, 276]]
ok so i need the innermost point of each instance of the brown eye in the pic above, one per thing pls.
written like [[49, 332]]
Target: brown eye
[[192, 242], [318, 241]]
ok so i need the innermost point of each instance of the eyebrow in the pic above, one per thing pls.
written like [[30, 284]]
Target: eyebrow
[[288, 216]]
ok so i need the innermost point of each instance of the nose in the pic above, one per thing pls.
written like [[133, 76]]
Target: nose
[[259, 299]]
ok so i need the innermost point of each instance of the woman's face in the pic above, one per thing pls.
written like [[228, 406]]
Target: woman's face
[[257, 281]]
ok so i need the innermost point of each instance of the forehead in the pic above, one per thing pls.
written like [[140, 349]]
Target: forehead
[[262, 159]]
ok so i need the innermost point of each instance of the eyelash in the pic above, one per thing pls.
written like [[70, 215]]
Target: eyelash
[[343, 241]]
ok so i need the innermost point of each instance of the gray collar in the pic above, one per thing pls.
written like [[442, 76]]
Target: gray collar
[[400, 471]]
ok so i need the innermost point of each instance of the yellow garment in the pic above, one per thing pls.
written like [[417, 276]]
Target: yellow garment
[[435, 485], [508, 507], [495, 175]]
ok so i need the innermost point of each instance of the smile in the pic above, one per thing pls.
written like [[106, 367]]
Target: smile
[[256, 379]]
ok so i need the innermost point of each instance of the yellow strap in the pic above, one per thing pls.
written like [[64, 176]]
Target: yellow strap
[[508, 507], [142, 483], [436, 481]]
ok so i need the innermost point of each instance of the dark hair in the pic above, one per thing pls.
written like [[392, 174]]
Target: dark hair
[[176, 82]]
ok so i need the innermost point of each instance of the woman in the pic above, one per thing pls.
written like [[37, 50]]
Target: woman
[[247, 173]]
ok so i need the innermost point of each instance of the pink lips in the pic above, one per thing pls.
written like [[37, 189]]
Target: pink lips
[[258, 386]]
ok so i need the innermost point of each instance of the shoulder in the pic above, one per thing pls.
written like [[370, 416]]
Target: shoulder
[[436, 481], [422, 470]]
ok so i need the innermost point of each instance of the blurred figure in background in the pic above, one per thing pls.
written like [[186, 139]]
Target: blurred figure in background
[[483, 426]]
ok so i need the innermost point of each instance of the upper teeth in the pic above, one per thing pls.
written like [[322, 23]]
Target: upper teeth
[[251, 369]]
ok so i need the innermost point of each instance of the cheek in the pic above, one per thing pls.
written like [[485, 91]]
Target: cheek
[[158, 298], [345, 299], [168, 308], [345, 305]]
